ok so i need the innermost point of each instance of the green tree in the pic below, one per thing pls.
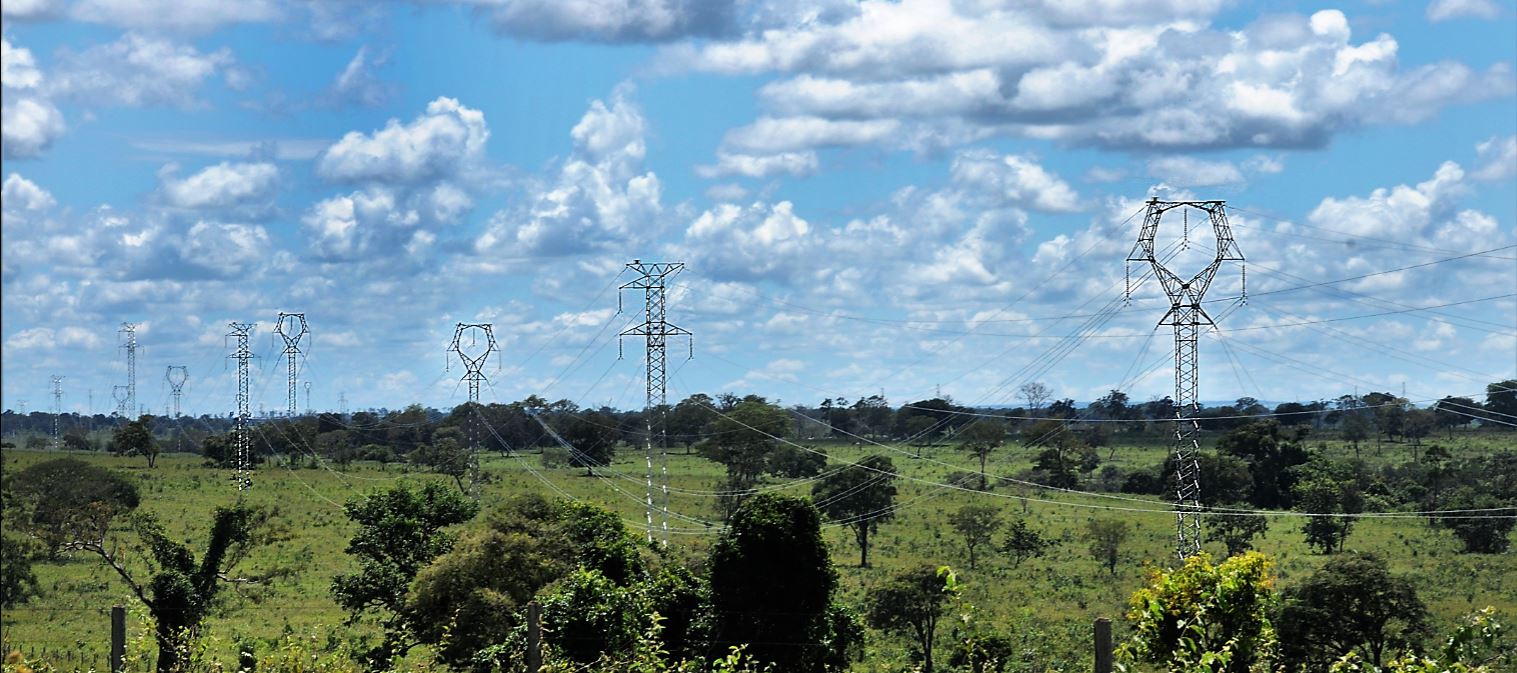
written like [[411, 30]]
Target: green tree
[[1501, 398], [586, 615], [1205, 617], [860, 496], [136, 438], [1327, 490], [1023, 542], [401, 530], [1270, 451], [181, 590], [981, 438], [66, 502], [742, 441], [594, 435], [772, 587], [976, 524], [469, 597], [1106, 537], [1235, 529], [1351, 604], [448, 455], [1482, 532], [911, 603], [18, 583]]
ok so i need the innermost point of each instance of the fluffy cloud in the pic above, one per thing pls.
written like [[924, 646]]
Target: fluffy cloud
[[1186, 171], [435, 145], [1014, 179], [227, 185], [28, 9], [601, 197], [138, 70], [761, 165], [609, 20], [224, 250], [29, 122], [194, 16], [1498, 159], [747, 243], [1444, 10], [932, 74], [19, 193]]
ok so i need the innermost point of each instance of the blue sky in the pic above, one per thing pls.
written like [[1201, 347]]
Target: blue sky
[[869, 196]]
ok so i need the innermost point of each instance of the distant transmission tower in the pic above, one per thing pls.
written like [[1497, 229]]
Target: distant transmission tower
[[473, 356], [292, 327], [128, 334], [1186, 315], [176, 375], [119, 394], [57, 409], [242, 444], [655, 330], [309, 409], [342, 403]]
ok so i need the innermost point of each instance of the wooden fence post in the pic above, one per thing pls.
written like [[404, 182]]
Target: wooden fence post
[[118, 638], [534, 637], [1103, 645]]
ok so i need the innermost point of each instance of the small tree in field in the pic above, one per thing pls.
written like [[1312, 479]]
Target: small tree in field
[[1351, 604], [911, 603], [1237, 530], [1482, 532], [980, 439], [1022, 542], [861, 496], [136, 437], [1106, 538], [975, 524]]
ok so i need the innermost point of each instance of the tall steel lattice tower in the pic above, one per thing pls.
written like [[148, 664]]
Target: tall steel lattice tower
[[292, 328], [1186, 315], [128, 333], [57, 409], [474, 355], [309, 409], [176, 376], [652, 280], [242, 444]]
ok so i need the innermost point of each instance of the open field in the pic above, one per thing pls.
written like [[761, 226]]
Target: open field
[[1046, 605]]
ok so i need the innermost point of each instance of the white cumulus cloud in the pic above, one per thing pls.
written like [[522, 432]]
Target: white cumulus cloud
[[436, 144]]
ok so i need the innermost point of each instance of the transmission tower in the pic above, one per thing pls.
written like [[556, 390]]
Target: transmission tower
[[57, 409], [342, 403], [473, 356], [292, 327], [119, 394], [128, 333], [655, 330], [309, 409], [241, 443], [1186, 315], [176, 375]]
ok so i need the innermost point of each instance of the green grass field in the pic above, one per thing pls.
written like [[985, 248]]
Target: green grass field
[[1046, 605]]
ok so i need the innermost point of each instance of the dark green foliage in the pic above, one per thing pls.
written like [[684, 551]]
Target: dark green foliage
[[449, 454], [1501, 399], [982, 653], [1106, 538], [1351, 604], [1327, 488], [772, 585], [1223, 476], [975, 524], [860, 496], [1481, 532], [469, 598], [594, 435], [793, 462], [679, 596], [743, 440], [981, 438], [182, 590], [17, 582], [400, 532], [911, 604], [68, 501], [1023, 543], [136, 438], [1270, 452], [1237, 531], [586, 614]]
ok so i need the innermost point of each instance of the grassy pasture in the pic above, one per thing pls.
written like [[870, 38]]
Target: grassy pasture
[[1046, 605]]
